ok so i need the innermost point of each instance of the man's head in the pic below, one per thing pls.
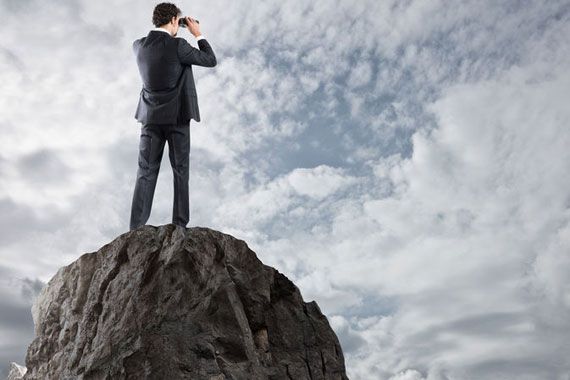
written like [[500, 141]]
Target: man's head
[[166, 15]]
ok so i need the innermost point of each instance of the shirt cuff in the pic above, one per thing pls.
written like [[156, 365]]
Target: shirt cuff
[[200, 37]]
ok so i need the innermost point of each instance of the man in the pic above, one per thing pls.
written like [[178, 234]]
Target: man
[[167, 102]]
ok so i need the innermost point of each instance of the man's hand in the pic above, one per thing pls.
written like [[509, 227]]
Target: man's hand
[[193, 26]]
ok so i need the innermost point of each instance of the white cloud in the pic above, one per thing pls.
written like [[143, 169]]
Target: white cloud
[[428, 216], [482, 196], [318, 182], [284, 195], [409, 374]]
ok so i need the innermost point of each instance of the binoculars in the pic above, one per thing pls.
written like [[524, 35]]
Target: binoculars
[[182, 22]]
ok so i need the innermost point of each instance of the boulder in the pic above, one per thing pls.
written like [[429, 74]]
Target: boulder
[[166, 302]]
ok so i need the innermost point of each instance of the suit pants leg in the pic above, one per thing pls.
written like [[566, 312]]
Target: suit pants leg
[[151, 147], [178, 137]]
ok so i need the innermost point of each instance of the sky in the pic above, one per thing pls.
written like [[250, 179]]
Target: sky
[[405, 163]]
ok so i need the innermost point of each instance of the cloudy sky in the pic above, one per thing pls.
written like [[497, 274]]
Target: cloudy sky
[[405, 163]]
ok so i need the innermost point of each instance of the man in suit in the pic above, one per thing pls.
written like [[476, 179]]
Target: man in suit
[[167, 102]]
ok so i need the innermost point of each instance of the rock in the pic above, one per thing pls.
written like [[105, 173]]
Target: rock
[[172, 303], [17, 372]]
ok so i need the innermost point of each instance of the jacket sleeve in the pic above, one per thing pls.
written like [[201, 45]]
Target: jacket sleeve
[[135, 46], [189, 55]]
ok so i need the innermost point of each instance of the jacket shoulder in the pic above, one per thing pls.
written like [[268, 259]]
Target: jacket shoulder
[[181, 41], [136, 43]]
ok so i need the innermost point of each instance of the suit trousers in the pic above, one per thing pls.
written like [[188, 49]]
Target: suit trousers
[[151, 146]]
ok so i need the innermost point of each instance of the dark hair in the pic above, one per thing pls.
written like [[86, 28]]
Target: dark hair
[[163, 13]]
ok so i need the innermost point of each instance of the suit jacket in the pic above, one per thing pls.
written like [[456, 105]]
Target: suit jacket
[[168, 94]]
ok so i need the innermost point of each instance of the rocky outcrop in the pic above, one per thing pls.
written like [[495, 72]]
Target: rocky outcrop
[[17, 372], [172, 303]]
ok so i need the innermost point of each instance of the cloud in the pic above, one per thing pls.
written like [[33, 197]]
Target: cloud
[[318, 182], [409, 374], [405, 163], [16, 297], [39, 167], [469, 217]]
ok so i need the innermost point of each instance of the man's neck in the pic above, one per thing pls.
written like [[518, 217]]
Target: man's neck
[[163, 30]]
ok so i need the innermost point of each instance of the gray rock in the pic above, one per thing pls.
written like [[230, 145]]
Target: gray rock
[[17, 372], [172, 303]]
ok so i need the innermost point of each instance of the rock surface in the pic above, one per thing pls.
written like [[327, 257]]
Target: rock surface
[[17, 372], [172, 303]]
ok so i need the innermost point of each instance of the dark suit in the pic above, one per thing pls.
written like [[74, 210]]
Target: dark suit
[[167, 102]]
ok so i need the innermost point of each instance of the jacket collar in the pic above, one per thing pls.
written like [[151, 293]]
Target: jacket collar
[[161, 30]]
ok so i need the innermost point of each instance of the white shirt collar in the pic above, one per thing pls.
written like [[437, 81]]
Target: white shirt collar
[[162, 29]]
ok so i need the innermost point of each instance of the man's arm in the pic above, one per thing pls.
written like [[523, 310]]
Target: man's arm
[[189, 55]]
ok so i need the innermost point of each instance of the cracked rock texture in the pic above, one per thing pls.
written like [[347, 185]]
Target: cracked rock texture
[[172, 303]]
